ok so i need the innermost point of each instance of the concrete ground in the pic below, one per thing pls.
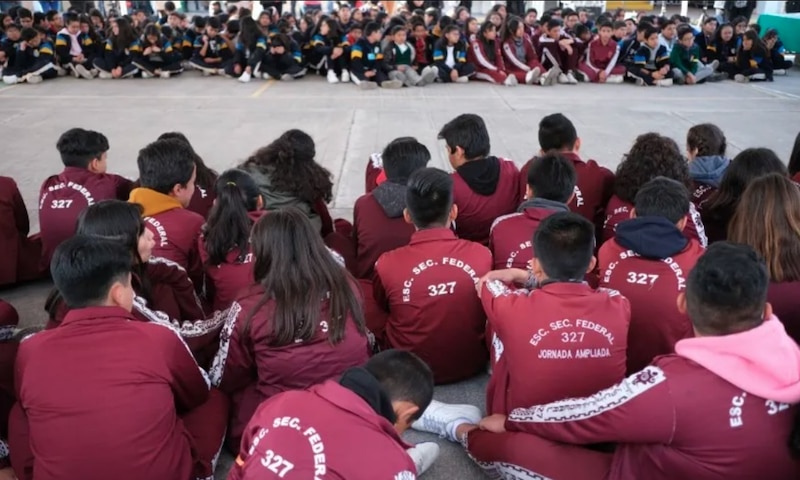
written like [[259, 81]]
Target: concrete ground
[[227, 120]]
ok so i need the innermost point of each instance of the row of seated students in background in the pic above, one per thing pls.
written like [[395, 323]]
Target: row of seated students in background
[[195, 253], [410, 48]]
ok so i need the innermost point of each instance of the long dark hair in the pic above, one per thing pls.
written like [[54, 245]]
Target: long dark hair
[[152, 30], [652, 155], [794, 159], [511, 26], [228, 226], [485, 27], [759, 49], [127, 35], [298, 272], [205, 177], [92, 33], [249, 33], [289, 162]]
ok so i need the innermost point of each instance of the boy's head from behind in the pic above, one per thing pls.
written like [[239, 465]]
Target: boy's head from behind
[[83, 149], [466, 139], [407, 380], [551, 177], [663, 197], [167, 166], [726, 291], [402, 157], [429, 199], [563, 248], [93, 272], [705, 140], [557, 133]]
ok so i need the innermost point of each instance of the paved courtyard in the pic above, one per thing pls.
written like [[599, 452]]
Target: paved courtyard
[[227, 120]]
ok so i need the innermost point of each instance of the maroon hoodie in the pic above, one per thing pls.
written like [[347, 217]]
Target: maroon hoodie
[[511, 236], [202, 200], [619, 210], [21, 254], [64, 196], [484, 190]]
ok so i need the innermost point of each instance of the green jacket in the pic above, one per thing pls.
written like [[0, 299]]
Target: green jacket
[[685, 60]]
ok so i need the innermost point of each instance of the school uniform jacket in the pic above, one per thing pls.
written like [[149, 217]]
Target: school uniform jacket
[[648, 262], [62, 197], [592, 191], [628, 49], [511, 236], [440, 54], [167, 55], [428, 288], [64, 44], [483, 192], [558, 341], [250, 371], [602, 57], [97, 410], [327, 431], [707, 47], [323, 46], [486, 57], [515, 64], [750, 59], [619, 210], [202, 199], [651, 59], [120, 56], [14, 228], [366, 56], [175, 230], [248, 57], [31, 59], [217, 48]]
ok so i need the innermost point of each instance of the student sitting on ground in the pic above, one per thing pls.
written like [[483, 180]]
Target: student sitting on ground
[[74, 49], [630, 46], [121, 47], [83, 182], [602, 55], [485, 187], [551, 186], [776, 51], [428, 287], [380, 399], [726, 48], [732, 365], [651, 62], [155, 55], [753, 60], [705, 149], [400, 59], [557, 51], [378, 222], [651, 156], [423, 45], [367, 65], [648, 261], [707, 40], [224, 245], [177, 422], [595, 183], [329, 52], [211, 52], [299, 324], [282, 59], [205, 178], [685, 62], [33, 60], [485, 53], [249, 51], [166, 176], [22, 255], [520, 57], [450, 57]]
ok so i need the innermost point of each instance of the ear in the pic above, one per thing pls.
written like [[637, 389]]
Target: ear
[[528, 192], [536, 268], [681, 303], [94, 165], [633, 213], [176, 190], [682, 223], [405, 412], [767, 311], [571, 197], [407, 217], [453, 213], [577, 145], [592, 264], [259, 202]]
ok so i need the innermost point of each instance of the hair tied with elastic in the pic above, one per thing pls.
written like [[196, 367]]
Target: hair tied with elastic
[[231, 183]]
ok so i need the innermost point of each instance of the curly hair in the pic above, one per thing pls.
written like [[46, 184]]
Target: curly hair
[[652, 155], [289, 163]]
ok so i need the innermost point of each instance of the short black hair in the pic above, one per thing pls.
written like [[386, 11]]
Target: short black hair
[[78, 147], [169, 6], [556, 132], [199, 22], [404, 377], [581, 29], [449, 28], [552, 177], [27, 34], [214, 23], [685, 29], [84, 269], [12, 26], [469, 132], [164, 164], [726, 291], [649, 31], [553, 23], [663, 197], [24, 13], [38, 18], [70, 17], [619, 24], [429, 197], [643, 26], [564, 245], [402, 157], [605, 24], [371, 28]]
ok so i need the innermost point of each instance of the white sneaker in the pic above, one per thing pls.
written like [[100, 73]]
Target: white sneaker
[[571, 78], [640, 82], [424, 455], [287, 77], [615, 79], [245, 77], [714, 65], [550, 77], [61, 71], [510, 81], [332, 77], [71, 68], [664, 82], [30, 78], [104, 75], [442, 419], [147, 75], [779, 71], [462, 80], [391, 84], [533, 76], [739, 78], [429, 75], [580, 76], [367, 85], [345, 76], [83, 72], [563, 79], [758, 76], [165, 75], [10, 79]]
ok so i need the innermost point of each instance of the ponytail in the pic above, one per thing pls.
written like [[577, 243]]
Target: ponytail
[[228, 226]]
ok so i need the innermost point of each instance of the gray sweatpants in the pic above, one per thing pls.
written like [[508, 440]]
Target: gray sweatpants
[[703, 72], [409, 77]]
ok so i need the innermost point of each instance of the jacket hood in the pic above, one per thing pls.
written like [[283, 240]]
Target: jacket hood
[[359, 381], [153, 202], [651, 237], [482, 175], [708, 170], [543, 203], [763, 361], [391, 197]]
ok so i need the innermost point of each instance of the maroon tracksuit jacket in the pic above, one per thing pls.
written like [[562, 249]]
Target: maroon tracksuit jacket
[[251, 371], [558, 341], [519, 67], [63, 197], [593, 189], [428, 288], [477, 210], [202, 199], [619, 210], [375, 232], [488, 60], [785, 300], [511, 237], [175, 229], [701, 193], [21, 255], [9, 320], [101, 398], [326, 431], [651, 281]]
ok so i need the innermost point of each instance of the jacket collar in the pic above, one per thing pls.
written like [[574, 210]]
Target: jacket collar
[[432, 235], [542, 204], [568, 288], [78, 315], [153, 202]]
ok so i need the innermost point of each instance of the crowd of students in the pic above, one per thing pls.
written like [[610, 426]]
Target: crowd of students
[[192, 308], [414, 47]]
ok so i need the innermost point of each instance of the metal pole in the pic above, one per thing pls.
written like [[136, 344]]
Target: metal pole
[[684, 8]]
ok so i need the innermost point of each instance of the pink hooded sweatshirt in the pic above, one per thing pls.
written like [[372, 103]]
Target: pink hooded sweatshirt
[[763, 361]]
